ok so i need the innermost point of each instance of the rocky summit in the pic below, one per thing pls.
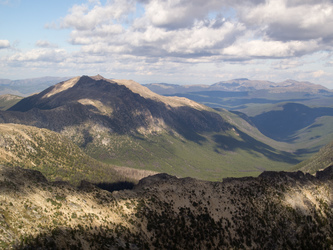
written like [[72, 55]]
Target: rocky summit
[[121, 106], [277, 210]]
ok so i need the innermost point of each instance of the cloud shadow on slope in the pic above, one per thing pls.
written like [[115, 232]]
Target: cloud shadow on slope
[[282, 125], [253, 147]]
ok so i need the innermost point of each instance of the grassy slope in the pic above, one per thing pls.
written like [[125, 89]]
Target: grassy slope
[[216, 156], [303, 142], [306, 141], [7, 101], [53, 155], [319, 161]]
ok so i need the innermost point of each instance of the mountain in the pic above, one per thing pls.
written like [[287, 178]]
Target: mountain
[[29, 86], [241, 85], [171, 89], [123, 123], [277, 210], [117, 106], [7, 101], [243, 94], [58, 158], [245, 84], [295, 113]]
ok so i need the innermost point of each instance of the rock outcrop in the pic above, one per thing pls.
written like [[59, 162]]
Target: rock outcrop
[[273, 211]]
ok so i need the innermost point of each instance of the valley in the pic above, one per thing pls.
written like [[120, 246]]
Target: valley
[[297, 116], [94, 163], [123, 123], [166, 124]]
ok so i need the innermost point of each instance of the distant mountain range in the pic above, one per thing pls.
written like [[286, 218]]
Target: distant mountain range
[[25, 87], [29, 86], [241, 85]]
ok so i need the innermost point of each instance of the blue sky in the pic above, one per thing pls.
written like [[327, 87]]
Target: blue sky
[[174, 41]]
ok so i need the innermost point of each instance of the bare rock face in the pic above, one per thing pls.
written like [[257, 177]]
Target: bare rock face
[[326, 174], [274, 211]]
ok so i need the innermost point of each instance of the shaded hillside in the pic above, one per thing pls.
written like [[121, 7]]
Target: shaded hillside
[[114, 105], [284, 123], [306, 127], [54, 155], [247, 100], [319, 161], [123, 123], [277, 210], [7, 101]]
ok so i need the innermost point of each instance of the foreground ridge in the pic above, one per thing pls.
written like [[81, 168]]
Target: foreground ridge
[[275, 210]]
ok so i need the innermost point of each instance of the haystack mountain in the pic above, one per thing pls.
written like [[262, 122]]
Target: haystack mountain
[[123, 123], [115, 106]]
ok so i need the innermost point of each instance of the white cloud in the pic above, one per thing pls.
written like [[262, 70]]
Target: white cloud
[[318, 73], [287, 64], [4, 44], [170, 37], [39, 55], [45, 44], [291, 20], [81, 17], [174, 14], [270, 49], [187, 28]]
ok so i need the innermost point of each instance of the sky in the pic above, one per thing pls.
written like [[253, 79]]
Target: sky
[[171, 41]]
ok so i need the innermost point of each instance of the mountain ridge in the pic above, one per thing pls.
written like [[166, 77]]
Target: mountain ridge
[[141, 129], [74, 93], [275, 210], [241, 84]]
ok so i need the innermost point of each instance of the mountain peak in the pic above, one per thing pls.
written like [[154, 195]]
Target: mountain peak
[[123, 106], [62, 87]]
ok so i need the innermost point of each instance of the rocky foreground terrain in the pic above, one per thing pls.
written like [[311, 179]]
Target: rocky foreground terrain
[[277, 210]]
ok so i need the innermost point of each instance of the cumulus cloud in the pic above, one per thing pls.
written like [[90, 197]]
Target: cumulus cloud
[[173, 14], [318, 73], [82, 17], [146, 36], [223, 29], [45, 44], [287, 64], [291, 20], [4, 44], [39, 55]]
